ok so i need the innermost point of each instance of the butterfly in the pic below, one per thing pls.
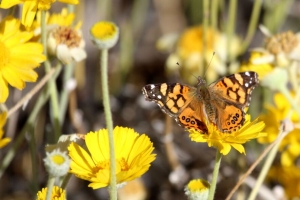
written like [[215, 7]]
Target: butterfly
[[223, 103]]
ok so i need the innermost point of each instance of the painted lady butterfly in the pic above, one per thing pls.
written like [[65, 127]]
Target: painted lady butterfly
[[222, 103]]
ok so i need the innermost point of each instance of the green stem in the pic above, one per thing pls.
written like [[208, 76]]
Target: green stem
[[252, 25], [52, 86], [214, 14], [109, 124], [34, 162], [264, 171], [66, 180], [213, 184], [50, 184], [204, 35], [42, 99], [231, 26], [11, 153], [64, 96]]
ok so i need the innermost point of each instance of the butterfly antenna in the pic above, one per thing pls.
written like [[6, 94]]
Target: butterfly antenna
[[190, 72], [209, 63]]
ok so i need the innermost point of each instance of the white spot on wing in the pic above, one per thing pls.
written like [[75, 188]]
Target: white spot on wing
[[159, 96], [247, 73], [152, 86], [246, 84]]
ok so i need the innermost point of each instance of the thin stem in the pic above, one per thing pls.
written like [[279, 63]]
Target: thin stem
[[50, 184], [214, 14], [52, 86], [42, 99], [64, 96], [213, 184], [252, 25], [231, 26], [33, 161], [65, 181], [204, 35], [109, 124], [30, 94], [262, 155], [264, 171]]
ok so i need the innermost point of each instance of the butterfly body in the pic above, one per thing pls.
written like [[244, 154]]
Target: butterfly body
[[222, 103]]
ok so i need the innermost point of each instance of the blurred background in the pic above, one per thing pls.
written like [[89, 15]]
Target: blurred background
[[154, 37]]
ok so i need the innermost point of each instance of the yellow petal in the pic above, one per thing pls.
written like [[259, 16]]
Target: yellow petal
[[3, 90], [9, 3], [28, 12]]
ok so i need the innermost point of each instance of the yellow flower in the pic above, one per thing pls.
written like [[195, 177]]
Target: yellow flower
[[190, 55], [288, 177], [3, 141], [197, 189], [18, 56], [253, 64], [290, 145], [30, 7], [224, 141], [57, 194], [104, 34], [133, 157]]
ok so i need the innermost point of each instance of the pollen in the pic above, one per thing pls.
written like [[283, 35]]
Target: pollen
[[67, 36]]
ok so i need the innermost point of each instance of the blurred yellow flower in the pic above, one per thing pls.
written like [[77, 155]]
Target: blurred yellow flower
[[288, 177], [190, 55], [3, 141], [133, 157], [30, 7], [57, 194], [290, 145], [224, 141], [18, 56], [253, 64]]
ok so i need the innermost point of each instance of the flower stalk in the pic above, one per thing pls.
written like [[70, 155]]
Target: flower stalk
[[214, 180], [109, 123], [50, 185], [53, 91]]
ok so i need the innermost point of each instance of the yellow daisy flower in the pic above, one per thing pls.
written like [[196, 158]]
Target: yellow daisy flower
[[224, 141], [57, 194], [288, 177], [190, 55], [290, 145], [133, 157], [18, 56], [30, 7], [3, 141]]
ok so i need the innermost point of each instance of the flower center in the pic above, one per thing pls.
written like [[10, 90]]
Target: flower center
[[4, 55], [58, 159], [284, 42], [67, 36]]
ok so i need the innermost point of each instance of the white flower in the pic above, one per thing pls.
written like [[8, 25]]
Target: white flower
[[57, 163], [66, 44]]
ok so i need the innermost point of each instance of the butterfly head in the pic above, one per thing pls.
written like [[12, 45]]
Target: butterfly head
[[201, 82]]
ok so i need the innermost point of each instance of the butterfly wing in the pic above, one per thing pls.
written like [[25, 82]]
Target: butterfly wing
[[177, 101], [231, 98]]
